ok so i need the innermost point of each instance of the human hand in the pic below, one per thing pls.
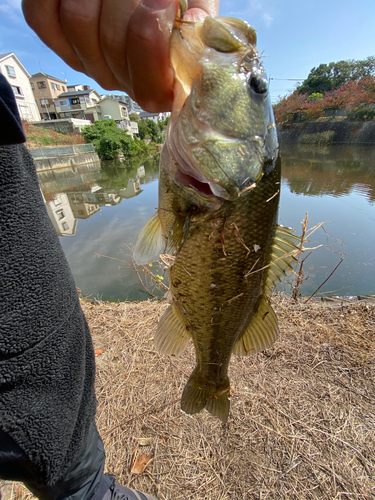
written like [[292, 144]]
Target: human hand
[[122, 44]]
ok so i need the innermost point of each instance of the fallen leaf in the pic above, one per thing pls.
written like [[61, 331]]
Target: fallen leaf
[[144, 441], [141, 463], [98, 352]]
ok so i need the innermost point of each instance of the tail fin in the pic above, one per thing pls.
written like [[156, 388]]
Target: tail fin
[[197, 396]]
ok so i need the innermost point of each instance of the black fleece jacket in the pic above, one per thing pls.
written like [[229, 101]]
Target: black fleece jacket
[[47, 367]]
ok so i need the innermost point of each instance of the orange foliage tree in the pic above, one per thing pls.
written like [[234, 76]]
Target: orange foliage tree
[[349, 96]]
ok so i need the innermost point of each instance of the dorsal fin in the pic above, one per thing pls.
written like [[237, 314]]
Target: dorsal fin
[[282, 257], [171, 336], [261, 333]]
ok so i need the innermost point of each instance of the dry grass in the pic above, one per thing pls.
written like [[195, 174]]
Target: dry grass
[[39, 137], [302, 421]]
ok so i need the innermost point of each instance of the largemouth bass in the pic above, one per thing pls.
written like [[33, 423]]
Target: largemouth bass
[[218, 201]]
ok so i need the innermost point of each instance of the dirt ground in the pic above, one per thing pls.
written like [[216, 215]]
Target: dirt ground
[[302, 419]]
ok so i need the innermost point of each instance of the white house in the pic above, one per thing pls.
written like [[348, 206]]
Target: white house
[[18, 77]]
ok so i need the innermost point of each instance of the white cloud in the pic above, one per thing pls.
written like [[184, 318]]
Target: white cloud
[[252, 11], [12, 9], [267, 18]]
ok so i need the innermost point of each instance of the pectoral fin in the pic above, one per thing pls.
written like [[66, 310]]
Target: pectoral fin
[[283, 254], [178, 234], [171, 336], [150, 243], [261, 333]]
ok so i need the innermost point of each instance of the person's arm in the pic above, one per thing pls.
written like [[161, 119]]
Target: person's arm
[[122, 44]]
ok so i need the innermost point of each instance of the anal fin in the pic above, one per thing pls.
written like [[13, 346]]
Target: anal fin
[[261, 333], [171, 336]]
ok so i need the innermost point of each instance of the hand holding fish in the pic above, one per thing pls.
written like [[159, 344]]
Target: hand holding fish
[[123, 45]]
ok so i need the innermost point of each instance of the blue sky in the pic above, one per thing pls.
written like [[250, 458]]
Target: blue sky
[[294, 35]]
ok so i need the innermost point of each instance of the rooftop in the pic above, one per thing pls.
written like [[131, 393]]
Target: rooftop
[[41, 74], [2, 56], [75, 93]]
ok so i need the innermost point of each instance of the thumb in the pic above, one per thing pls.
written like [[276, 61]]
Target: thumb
[[148, 53]]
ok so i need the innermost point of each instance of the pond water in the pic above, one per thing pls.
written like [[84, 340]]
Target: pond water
[[99, 209]]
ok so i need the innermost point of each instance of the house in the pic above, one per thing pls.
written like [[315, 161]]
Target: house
[[82, 104], [61, 214], [73, 88], [154, 116], [116, 110], [46, 89], [134, 128], [133, 107], [18, 77]]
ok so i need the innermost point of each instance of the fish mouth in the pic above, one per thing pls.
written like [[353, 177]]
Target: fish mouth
[[189, 175], [186, 180]]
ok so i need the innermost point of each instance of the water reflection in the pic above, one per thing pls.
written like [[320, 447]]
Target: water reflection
[[93, 186], [105, 206], [335, 170]]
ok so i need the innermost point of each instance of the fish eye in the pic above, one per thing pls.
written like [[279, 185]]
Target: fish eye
[[258, 83]]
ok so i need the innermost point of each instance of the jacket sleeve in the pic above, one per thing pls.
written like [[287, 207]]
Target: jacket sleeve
[[47, 364], [10, 121]]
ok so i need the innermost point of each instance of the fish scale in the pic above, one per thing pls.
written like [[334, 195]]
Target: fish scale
[[208, 315]]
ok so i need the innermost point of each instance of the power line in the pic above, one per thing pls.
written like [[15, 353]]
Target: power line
[[289, 79]]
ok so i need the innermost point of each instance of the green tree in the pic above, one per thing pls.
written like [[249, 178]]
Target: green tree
[[147, 129], [331, 76], [143, 131], [134, 117], [98, 129], [162, 124], [110, 141]]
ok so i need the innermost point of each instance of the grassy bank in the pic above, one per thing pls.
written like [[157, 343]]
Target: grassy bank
[[302, 415], [39, 137]]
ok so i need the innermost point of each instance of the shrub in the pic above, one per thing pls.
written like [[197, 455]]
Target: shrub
[[361, 114], [110, 141], [320, 138]]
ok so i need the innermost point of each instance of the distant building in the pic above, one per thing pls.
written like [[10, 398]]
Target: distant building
[[73, 88], [134, 128], [116, 110], [82, 104], [18, 77], [154, 116], [133, 107], [46, 88]]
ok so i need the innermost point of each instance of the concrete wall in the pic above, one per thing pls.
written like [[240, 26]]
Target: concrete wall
[[65, 161], [66, 125], [345, 132]]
